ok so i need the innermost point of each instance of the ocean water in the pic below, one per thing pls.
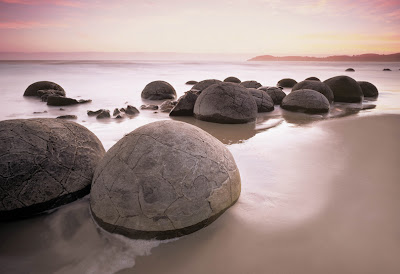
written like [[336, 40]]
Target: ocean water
[[66, 240]]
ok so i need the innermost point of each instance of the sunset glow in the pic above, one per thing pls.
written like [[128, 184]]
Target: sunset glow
[[310, 27]]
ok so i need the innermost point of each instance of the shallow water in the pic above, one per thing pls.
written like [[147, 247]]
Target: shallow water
[[288, 164]]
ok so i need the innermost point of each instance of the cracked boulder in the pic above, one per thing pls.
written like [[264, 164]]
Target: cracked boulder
[[263, 100], [33, 89], [158, 90], [306, 100], [163, 180], [202, 85], [275, 93], [317, 86], [226, 103], [44, 163]]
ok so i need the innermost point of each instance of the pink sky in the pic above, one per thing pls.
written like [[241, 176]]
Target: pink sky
[[306, 27]]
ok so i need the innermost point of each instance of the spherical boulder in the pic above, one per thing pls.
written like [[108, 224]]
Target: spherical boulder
[[317, 86], [225, 103], [350, 70], [191, 82], [263, 100], [158, 90], [164, 180], [286, 82], [345, 89], [368, 89], [44, 163], [312, 78], [202, 85], [233, 79], [251, 84], [275, 93], [306, 100], [33, 89]]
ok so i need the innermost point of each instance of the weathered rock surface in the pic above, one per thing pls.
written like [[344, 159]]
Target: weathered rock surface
[[164, 180], [368, 89], [232, 79], [350, 70], [71, 117], [191, 82], [185, 105], [312, 78], [275, 93], [44, 163], [263, 100], [167, 106], [158, 90], [105, 113], [151, 107], [287, 82], [94, 113], [225, 103], [116, 112], [345, 89], [131, 110], [33, 89], [44, 94], [306, 100], [317, 86], [251, 84], [202, 85], [60, 101]]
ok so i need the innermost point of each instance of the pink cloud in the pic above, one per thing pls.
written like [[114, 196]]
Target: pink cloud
[[66, 3]]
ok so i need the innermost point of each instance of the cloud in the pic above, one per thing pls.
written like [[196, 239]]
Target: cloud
[[66, 3]]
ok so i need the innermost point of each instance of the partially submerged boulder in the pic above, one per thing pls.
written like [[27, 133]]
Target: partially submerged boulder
[[185, 105], [317, 86], [164, 180], [368, 89], [55, 100], [151, 107], [68, 117], [345, 89], [275, 93], [131, 110], [158, 90], [263, 100], [251, 84], [167, 106], [225, 103], [232, 79], [350, 70], [287, 82], [105, 113], [45, 163], [202, 85], [191, 82], [312, 78], [32, 90], [306, 100]]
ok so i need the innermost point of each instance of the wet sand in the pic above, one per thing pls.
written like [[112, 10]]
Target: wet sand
[[322, 199]]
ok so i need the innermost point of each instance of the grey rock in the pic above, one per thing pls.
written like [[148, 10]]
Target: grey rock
[[345, 89], [312, 78], [119, 116], [232, 79], [131, 110], [33, 89], [287, 82], [44, 94], [387, 69], [191, 82], [225, 103], [275, 93], [151, 107], [158, 90], [185, 105], [251, 84], [84, 101], [317, 86], [202, 85], [116, 112], [163, 180], [94, 113], [306, 100], [45, 163], [167, 106], [53, 100], [72, 117], [350, 70], [368, 89], [263, 100], [105, 113]]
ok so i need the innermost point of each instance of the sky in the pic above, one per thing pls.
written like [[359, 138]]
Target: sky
[[291, 27]]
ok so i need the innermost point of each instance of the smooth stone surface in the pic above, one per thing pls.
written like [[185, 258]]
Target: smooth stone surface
[[202, 85], [32, 90], [191, 82], [350, 69], [158, 90], [345, 89], [45, 163], [306, 100], [225, 103], [317, 86], [368, 89], [164, 180], [263, 100], [185, 105], [61, 101], [232, 79], [275, 93], [312, 78], [131, 110], [287, 83], [251, 84]]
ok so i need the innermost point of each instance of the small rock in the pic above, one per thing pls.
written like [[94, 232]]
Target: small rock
[[62, 109], [104, 114], [116, 112], [151, 107], [131, 110], [167, 106], [39, 112], [83, 101], [191, 82], [73, 117], [350, 69], [94, 113], [119, 117], [387, 69]]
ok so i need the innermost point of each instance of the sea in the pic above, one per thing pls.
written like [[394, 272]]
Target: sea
[[67, 240]]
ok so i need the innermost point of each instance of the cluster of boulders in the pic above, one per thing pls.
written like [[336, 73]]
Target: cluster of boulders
[[118, 113], [52, 93]]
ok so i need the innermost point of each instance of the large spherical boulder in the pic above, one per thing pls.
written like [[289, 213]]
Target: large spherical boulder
[[306, 100], [275, 93], [225, 103], [287, 82], [345, 89], [263, 100], [202, 85], [233, 79], [368, 89], [44, 163], [33, 89], [251, 84], [158, 90], [317, 86], [164, 180]]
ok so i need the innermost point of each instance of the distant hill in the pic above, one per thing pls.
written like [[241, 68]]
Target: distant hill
[[343, 58]]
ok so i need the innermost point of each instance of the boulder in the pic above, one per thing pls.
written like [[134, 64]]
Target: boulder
[[131, 110], [287, 82], [151, 107], [350, 70], [225, 103], [33, 89], [158, 90], [94, 113], [312, 78], [387, 69], [275, 93], [251, 84], [185, 105], [45, 163], [44, 94], [71, 117], [232, 79], [202, 85], [263, 100], [306, 100], [167, 106], [345, 89], [105, 113], [164, 180], [368, 89], [317, 86], [191, 82], [53, 100]]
